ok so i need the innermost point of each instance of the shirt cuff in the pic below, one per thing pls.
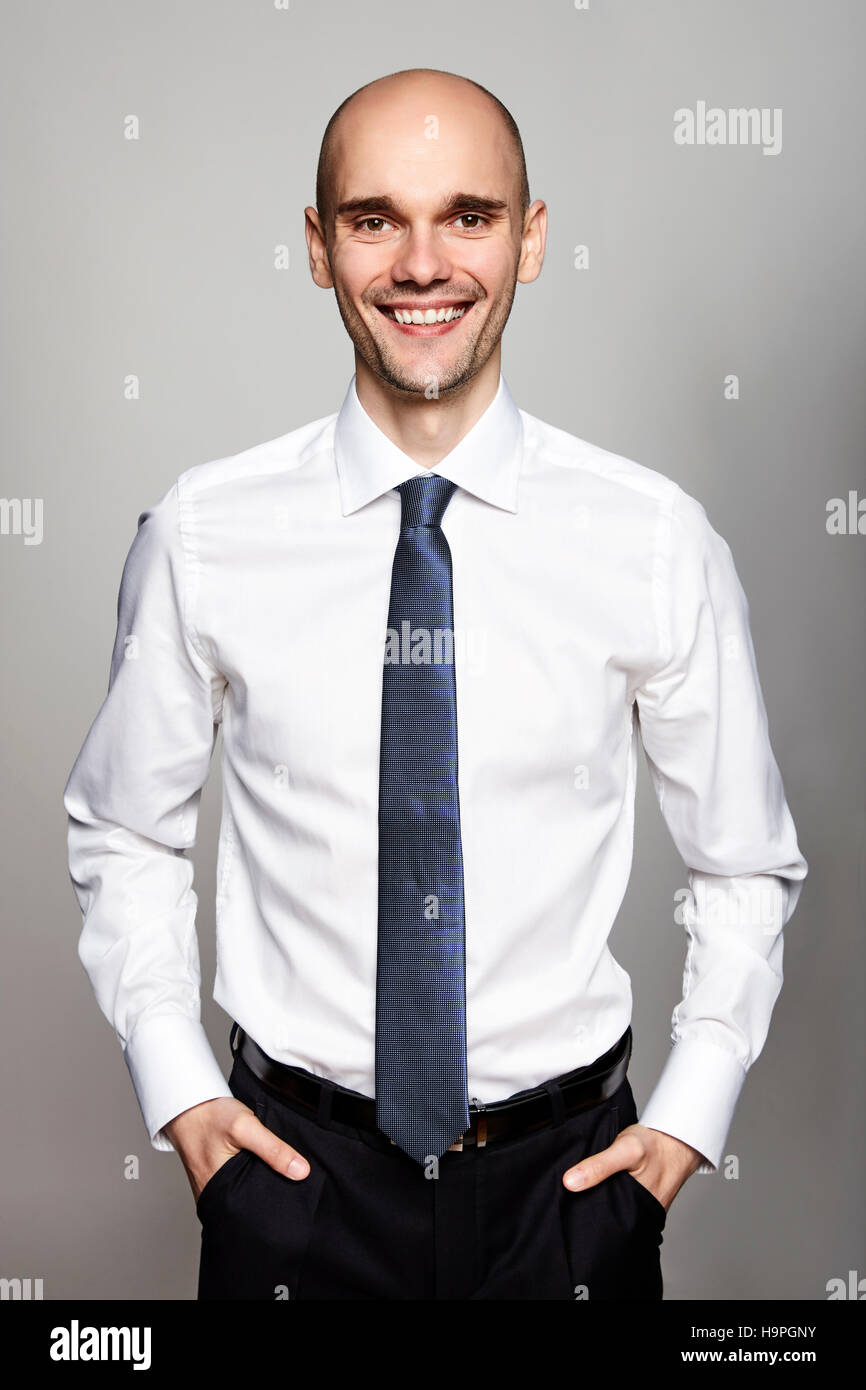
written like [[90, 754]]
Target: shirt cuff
[[695, 1097], [172, 1068]]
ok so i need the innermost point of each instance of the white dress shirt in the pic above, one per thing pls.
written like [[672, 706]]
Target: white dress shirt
[[594, 605]]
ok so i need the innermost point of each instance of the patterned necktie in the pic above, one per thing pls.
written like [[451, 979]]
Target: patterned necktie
[[421, 1100]]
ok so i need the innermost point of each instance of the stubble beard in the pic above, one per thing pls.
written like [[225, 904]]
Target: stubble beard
[[386, 364]]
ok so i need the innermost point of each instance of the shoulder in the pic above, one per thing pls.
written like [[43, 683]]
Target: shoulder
[[170, 524], [548, 446], [681, 511], [283, 454]]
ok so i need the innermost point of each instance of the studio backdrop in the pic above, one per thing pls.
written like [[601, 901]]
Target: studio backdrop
[[700, 310]]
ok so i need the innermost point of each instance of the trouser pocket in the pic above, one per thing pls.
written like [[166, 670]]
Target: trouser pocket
[[612, 1232], [256, 1222]]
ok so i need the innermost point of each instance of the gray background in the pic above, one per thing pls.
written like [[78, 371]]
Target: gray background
[[155, 257]]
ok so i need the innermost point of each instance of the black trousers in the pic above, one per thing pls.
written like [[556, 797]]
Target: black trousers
[[366, 1223]]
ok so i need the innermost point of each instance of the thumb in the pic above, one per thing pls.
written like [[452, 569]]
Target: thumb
[[624, 1152], [253, 1135]]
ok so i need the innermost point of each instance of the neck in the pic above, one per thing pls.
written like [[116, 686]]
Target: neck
[[427, 430]]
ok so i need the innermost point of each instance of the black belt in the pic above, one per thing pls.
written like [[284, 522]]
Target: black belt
[[524, 1111]]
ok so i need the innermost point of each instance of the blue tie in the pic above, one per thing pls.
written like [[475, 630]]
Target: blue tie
[[421, 1100]]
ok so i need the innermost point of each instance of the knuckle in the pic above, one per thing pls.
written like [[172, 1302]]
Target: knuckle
[[631, 1150], [242, 1129]]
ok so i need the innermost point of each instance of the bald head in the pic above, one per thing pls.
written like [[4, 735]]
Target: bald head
[[373, 101]]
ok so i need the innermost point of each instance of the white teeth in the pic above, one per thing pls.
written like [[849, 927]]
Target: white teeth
[[424, 316]]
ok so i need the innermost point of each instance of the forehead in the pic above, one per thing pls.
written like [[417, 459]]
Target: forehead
[[418, 143]]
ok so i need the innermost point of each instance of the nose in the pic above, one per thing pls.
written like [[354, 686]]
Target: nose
[[422, 258]]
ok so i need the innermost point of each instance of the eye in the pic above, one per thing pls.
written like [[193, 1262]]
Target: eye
[[363, 227], [479, 218]]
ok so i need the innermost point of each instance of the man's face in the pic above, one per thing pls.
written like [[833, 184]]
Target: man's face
[[427, 225]]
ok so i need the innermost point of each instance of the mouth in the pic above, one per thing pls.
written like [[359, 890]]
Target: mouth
[[427, 321]]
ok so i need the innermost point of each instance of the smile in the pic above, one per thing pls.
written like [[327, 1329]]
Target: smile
[[425, 322]]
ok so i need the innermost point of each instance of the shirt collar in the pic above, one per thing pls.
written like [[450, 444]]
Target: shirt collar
[[486, 462]]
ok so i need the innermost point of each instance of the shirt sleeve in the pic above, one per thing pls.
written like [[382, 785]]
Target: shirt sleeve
[[132, 802], [703, 723]]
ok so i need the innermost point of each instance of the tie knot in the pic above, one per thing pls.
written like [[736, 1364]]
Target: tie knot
[[425, 499]]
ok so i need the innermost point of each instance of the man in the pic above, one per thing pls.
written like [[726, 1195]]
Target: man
[[421, 858]]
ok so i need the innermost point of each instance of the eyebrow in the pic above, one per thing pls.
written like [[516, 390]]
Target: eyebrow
[[376, 203]]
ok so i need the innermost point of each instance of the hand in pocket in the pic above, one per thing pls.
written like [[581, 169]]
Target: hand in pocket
[[208, 1135]]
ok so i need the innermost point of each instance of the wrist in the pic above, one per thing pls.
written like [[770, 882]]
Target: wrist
[[687, 1158]]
